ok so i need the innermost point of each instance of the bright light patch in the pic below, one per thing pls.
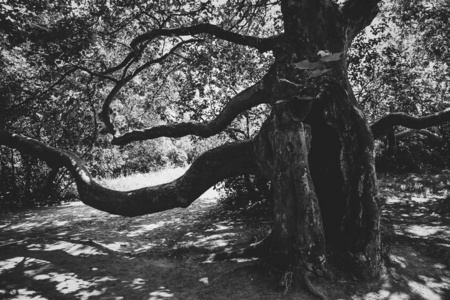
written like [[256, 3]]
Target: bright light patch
[[69, 248], [161, 293], [424, 291]]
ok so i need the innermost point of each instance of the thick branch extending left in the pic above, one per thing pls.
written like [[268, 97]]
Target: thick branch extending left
[[208, 169]]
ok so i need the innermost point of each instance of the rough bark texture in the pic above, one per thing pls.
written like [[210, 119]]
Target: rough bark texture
[[320, 152]]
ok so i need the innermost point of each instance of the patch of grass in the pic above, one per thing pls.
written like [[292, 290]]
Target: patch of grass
[[136, 181]]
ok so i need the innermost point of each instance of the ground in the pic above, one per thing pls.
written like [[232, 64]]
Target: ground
[[75, 252]]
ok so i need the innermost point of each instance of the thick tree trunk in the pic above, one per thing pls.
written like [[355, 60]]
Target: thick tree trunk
[[318, 154]]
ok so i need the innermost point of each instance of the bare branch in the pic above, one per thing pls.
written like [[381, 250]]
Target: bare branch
[[250, 97], [262, 44], [100, 75], [423, 132], [210, 168], [386, 123]]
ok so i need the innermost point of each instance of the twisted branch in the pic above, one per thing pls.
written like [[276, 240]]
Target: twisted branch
[[208, 169], [250, 97]]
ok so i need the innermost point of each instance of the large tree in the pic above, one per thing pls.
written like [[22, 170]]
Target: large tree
[[316, 148]]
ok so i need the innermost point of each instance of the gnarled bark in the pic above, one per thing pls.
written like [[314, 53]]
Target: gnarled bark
[[208, 169]]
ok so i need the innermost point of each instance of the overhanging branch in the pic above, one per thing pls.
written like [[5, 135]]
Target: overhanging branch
[[386, 123], [261, 44], [250, 97], [208, 169]]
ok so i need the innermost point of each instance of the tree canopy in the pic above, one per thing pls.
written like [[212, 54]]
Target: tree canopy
[[302, 89]]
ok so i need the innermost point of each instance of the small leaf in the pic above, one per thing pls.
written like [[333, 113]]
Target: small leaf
[[309, 266], [307, 65], [332, 57], [281, 101], [316, 73]]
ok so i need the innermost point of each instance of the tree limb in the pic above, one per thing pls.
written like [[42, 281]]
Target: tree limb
[[208, 169], [423, 132], [383, 125], [250, 97], [261, 44], [359, 14]]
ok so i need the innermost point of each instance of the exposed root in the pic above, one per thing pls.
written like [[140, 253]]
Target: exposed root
[[312, 289], [254, 250]]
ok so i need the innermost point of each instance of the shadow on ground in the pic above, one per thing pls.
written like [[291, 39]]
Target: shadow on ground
[[75, 252]]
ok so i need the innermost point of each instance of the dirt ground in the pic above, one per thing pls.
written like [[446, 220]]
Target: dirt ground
[[75, 252]]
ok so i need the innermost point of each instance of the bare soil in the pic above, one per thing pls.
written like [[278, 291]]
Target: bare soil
[[75, 252]]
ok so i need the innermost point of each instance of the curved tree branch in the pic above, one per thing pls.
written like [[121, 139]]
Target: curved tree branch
[[261, 44], [359, 14], [386, 123], [208, 169], [423, 132], [250, 97]]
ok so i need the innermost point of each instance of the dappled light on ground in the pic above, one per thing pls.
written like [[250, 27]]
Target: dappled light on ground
[[75, 252], [416, 217]]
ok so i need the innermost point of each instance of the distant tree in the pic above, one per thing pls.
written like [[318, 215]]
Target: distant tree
[[316, 148]]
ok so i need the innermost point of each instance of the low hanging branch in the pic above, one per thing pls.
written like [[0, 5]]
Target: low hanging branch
[[208, 169], [250, 97], [386, 123]]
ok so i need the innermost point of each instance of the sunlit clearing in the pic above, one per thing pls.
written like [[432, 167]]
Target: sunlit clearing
[[424, 230], [161, 293], [136, 181], [69, 248]]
